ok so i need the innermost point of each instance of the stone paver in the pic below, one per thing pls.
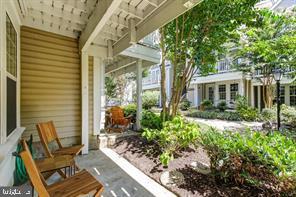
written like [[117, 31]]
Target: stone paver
[[227, 125], [117, 183], [115, 180]]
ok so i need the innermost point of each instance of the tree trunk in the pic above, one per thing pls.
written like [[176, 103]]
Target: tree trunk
[[163, 76]]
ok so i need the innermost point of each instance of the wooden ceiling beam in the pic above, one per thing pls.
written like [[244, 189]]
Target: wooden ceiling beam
[[97, 21], [131, 10]]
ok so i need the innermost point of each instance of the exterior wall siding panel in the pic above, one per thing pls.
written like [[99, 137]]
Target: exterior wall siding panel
[[50, 82]]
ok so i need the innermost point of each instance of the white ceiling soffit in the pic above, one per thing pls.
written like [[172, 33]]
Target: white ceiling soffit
[[122, 22], [125, 22], [65, 17]]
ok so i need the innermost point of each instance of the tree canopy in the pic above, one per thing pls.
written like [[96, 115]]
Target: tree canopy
[[268, 44], [194, 41]]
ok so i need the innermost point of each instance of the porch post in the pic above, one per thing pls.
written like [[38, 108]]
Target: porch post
[[84, 101], [102, 96], [139, 94], [195, 95], [252, 94]]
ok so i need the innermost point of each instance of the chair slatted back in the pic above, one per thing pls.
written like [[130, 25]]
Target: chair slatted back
[[33, 172], [117, 112], [48, 134]]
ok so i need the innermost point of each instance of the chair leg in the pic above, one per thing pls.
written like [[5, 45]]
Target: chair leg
[[99, 192]]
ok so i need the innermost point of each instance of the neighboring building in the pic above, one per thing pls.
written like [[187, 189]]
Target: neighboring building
[[226, 83]]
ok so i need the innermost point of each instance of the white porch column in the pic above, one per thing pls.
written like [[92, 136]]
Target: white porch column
[[84, 101], [195, 95], [242, 89], [99, 99], [252, 94], [259, 98], [139, 94]]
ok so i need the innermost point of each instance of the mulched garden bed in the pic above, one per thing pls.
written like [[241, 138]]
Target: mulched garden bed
[[145, 156]]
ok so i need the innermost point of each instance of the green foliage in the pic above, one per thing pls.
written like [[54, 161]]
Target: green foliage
[[151, 120], [110, 86], [268, 114], [130, 110], [227, 115], [194, 41], [269, 43], [253, 158], [185, 104], [207, 104], [288, 114], [222, 106], [175, 135], [244, 110], [150, 99]]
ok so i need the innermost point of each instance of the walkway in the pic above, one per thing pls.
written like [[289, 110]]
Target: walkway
[[117, 183], [227, 125], [123, 181]]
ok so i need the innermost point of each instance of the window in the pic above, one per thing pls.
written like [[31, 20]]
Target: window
[[11, 68], [211, 94], [233, 91], [293, 95], [11, 38], [222, 92]]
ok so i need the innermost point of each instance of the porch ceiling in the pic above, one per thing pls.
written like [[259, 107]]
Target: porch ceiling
[[112, 25]]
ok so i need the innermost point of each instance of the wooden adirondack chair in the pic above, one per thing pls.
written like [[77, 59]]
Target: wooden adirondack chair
[[117, 119], [48, 134], [82, 183]]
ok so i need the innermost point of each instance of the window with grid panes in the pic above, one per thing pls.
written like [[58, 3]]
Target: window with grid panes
[[222, 92], [11, 76]]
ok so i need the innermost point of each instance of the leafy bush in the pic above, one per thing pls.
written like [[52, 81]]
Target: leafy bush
[[232, 116], [174, 136], [130, 109], [206, 105], [244, 110], [185, 104], [268, 114], [288, 114], [151, 120], [248, 114], [222, 106], [150, 99], [255, 159]]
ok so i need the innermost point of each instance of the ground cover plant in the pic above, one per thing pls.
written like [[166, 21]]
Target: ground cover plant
[[267, 162], [227, 115], [174, 136]]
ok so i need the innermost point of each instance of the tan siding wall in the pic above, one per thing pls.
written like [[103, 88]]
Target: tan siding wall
[[50, 82], [90, 96]]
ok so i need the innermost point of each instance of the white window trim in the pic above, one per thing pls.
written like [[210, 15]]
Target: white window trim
[[8, 8]]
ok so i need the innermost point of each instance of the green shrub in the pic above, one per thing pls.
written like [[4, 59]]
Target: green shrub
[[174, 136], [207, 104], [151, 120], [252, 158], [232, 116], [288, 114], [268, 114], [150, 99], [244, 110], [130, 109], [185, 104], [222, 106], [248, 114]]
